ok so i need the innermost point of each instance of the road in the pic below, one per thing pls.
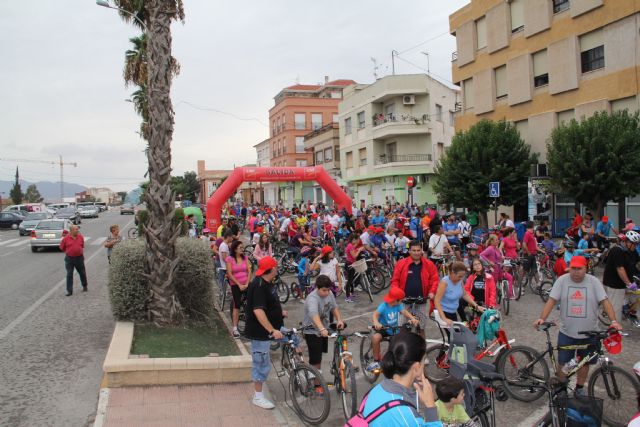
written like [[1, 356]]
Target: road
[[53, 346], [517, 325]]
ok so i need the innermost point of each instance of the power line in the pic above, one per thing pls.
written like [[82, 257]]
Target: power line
[[423, 43], [249, 119], [425, 70]]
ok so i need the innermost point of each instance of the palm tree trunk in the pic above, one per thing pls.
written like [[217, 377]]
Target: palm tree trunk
[[161, 234]]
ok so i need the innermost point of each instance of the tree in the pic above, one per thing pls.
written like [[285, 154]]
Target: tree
[[488, 151], [594, 161], [122, 195], [32, 195], [16, 192], [187, 185]]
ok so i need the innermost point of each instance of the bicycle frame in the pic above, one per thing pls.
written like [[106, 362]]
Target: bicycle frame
[[340, 354]]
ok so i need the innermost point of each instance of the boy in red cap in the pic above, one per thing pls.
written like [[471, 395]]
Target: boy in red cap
[[385, 319]]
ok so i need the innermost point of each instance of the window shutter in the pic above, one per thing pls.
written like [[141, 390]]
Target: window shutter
[[591, 40], [540, 63]]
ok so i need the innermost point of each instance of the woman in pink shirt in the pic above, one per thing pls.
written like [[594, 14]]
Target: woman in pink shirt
[[493, 256], [263, 248], [509, 245], [239, 274]]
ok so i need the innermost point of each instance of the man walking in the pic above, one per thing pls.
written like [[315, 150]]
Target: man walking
[[620, 269], [73, 247]]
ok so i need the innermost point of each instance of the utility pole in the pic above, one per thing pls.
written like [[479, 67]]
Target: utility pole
[[61, 163]]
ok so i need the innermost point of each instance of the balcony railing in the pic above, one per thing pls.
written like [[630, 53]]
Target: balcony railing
[[384, 159], [380, 119], [454, 56]]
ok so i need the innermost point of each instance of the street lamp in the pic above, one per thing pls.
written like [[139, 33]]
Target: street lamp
[[105, 3]]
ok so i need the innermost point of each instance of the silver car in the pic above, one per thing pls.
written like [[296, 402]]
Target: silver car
[[49, 233], [31, 220], [88, 211]]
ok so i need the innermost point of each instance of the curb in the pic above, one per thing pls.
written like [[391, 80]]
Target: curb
[[103, 402]]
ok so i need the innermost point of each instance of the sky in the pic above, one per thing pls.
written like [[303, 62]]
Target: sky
[[62, 92]]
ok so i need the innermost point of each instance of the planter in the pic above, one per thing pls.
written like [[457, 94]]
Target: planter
[[122, 369]]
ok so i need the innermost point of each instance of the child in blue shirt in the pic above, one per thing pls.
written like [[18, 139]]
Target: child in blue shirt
[[385, 319], [303, 274]]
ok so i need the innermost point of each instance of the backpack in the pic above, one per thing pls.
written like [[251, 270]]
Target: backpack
[[359, 420]]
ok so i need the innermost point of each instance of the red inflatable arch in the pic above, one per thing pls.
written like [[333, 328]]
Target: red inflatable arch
[[244, 174]]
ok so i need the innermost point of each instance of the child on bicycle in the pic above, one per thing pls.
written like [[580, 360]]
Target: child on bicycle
[[450, 403], [385, 318], [304, 271]]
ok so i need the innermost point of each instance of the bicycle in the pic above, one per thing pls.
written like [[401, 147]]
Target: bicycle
[[502, 288], [629, 309], [344, 373], [527, 369], [281, 289], [303, 381], [360, 267], [132, 233], [562, 409], [366, 348], [222, 290]]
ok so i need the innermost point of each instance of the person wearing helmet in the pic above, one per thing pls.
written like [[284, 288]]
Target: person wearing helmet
[[620, 269]]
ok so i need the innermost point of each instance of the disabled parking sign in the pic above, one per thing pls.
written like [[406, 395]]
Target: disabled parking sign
[[494, 189]]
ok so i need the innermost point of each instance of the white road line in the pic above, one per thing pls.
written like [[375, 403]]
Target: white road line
[[19, 243], [7, 242], [98, 241], [86, 239], [368, 313]]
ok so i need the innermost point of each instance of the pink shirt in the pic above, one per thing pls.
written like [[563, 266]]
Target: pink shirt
[[510, 248], [258, 253], [347, 251], [239, 271]]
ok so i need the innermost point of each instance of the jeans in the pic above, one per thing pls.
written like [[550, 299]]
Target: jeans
[[71, 263]]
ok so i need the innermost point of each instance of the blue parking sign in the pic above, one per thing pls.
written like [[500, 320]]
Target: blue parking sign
[[494, 189]]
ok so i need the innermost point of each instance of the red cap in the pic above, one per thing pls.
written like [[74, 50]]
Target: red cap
[[605, 219], [326, 250], [379, 230], [371, 228], [314, 215], [259, 230], [395, 294], [613, 343], [578, 262], [266, 263]]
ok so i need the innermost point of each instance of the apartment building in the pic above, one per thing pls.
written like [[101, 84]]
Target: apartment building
[[324, 145], [298, 110], [396, 127], [538, 63], [209, 180], [266, 192]]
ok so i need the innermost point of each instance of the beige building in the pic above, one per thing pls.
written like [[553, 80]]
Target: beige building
[[391, 129], [209, 181], [265, 192], [324, 144], [538, 63]]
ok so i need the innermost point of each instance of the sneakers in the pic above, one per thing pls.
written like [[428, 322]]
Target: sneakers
[[348, 299], [236, 333], [373, 366], [262, 402], [68, 294]]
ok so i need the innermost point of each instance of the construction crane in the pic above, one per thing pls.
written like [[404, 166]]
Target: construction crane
[[50, 162]]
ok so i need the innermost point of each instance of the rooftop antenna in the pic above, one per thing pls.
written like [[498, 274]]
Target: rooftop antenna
[[298, 79], [427, 55], [375, 67]]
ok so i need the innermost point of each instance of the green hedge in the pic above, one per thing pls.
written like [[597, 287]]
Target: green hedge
[[178, 218], [129, 291]]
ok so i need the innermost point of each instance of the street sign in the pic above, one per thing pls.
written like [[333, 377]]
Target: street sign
[[411, 182], [494, 189]]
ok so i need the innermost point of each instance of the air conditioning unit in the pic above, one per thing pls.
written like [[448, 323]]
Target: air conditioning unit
[[409, 99]]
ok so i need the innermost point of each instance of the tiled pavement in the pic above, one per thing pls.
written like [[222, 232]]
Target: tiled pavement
[[218, 405]]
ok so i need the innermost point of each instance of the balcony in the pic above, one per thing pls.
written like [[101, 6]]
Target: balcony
[[383, 161], [454, 56], [390, 125]]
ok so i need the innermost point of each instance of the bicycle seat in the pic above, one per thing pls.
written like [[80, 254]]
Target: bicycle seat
[[488, 376], [414, 300], [545, 326]]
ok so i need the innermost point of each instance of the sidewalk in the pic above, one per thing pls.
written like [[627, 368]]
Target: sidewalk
[[219, 405]]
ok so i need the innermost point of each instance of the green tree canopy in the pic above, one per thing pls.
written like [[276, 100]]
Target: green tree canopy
[[16, 194], [488, 151], [187, 185], [32, 195], [594, 160]]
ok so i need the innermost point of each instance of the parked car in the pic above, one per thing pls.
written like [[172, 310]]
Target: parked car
[[10, 220], [127, 208], [88, 211], [68, 213], [102, 206], [49, 233], [31, 220]]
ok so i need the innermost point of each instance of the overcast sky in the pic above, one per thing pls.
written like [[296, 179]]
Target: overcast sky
[[62, 93]]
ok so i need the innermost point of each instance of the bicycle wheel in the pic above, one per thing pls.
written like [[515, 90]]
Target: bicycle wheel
[[619, 391], [545, 289], [366, 358], [283, 291], [517, 289], [133, 233], [296, 292], [349, 391], [481, 419], [504, 290], [522, 374], [437, 365], [311, 404], [366, 287], [376, 279], [532, 277]]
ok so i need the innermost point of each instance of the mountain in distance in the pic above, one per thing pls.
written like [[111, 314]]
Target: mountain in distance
[[49, 190]]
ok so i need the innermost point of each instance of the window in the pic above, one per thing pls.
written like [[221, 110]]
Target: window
[[565, 116], [452, 118], [301, 163], [273, 128], [362, 154], [347, 126], [481, 32], [592, 51], [278, 124], [560, 5], [349, 159], [328, 154], [501, 82], [300, 121], [540, 69], [274, 151], [337, 157], [316, 121], [336, 95], [624, 104], [440, 150], [517, 15], [284, 122], [467, 92], [300, 144], [361, 121], [522, 126], [319, 157], [438, 112], [335, 118], [390, 110]]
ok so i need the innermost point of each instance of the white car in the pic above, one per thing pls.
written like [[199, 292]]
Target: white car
[[88, 211]]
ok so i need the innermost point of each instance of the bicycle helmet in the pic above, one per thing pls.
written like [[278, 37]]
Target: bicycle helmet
[[568, 243], [633, 236], [472, 246]]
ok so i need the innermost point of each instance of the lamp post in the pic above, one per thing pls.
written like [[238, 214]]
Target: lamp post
[[105, 3]]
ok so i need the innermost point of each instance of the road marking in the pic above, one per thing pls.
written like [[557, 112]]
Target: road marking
[[7, 242], [357, 316], [19, 243], [98, 241], [11, 326], [86, 239]]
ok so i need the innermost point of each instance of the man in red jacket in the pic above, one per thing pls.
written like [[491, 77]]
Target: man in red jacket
[[417, 277], [73, 246]]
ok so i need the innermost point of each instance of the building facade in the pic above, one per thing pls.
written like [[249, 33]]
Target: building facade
[[209, 181], [299, 110], [394, 128], [324, 146], [265, 192], [538, 63]]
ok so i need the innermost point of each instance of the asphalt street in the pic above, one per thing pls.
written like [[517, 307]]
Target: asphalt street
[[53, 346]]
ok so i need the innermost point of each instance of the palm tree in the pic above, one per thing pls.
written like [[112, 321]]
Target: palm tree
[[150, 66]]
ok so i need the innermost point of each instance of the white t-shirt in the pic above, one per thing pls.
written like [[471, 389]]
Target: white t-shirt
[[334, 220], [329, 269], [436, 244], [509, 223], [365, 238], [223, 253], [285, 224], [391, 238], [401, 243], [465, 228]]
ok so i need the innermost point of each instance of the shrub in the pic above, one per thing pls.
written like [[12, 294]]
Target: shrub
[[129, 291]]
